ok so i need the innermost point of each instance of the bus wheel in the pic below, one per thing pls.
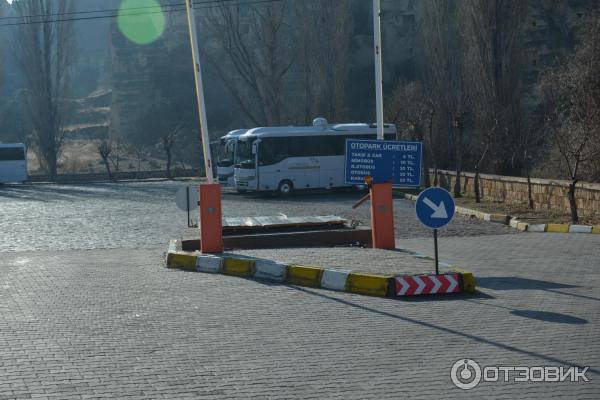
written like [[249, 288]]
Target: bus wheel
[[286, 188]]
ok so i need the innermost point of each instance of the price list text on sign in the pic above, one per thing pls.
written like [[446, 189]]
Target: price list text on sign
[[397, 162]]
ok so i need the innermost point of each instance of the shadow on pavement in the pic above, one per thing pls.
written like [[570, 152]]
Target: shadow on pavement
[[445, 297], [581, 296], [550, 317], [515, 283], [440, 328]]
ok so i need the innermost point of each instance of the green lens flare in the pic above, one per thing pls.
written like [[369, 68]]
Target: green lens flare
[[141, 21]]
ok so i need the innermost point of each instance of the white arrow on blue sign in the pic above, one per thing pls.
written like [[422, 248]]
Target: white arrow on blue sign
[[435, 207]]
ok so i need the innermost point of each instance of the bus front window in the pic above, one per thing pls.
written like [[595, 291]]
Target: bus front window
[[244, 157], [226, 150]]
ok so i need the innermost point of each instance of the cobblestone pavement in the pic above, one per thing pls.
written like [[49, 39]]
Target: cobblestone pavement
[[143, 214], [117, 324], [105, 319]]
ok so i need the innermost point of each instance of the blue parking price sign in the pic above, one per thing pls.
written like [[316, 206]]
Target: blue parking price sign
[[398, 162]]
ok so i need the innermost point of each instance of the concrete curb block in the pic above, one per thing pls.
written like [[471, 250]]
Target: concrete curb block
[[580, 229], [310, 276], [520, 225], [209, 264], [238, 266], [334, 280], [304, 275], [536, 228], [370, 285], [174, 245], [271, 271], [180, 260], [557, 228]]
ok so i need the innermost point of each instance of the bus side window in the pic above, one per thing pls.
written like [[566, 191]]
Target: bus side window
[[327, 145], [12, 154], [273, 150]]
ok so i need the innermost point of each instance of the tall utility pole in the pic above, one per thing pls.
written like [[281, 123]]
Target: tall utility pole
[[208, 164], [210, 222], [378, 71], [382, 206]]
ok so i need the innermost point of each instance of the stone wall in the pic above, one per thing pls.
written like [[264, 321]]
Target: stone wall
[[546, 193]]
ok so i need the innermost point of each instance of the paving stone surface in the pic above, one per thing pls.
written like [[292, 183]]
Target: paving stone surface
[[117, 324], [87, 309], [387, 262], [143, 214]]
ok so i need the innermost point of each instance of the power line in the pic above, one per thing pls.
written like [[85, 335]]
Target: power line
[[89, 12], [213, 2], [88, 18]]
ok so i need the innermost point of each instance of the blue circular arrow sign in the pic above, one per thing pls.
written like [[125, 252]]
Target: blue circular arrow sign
[[435, 207]]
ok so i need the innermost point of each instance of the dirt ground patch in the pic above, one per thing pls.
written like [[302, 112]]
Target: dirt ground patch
[[522, 212]]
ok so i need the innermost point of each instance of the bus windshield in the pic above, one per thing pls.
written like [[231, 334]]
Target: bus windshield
[[243, 154], [226, 152]]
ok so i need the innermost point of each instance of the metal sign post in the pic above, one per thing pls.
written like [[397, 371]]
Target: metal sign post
[[382, 206], [199, 90], [378, 67], [211, 230], [435, 208]]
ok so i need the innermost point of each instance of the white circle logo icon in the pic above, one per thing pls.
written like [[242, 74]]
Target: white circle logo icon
[[465, 374]]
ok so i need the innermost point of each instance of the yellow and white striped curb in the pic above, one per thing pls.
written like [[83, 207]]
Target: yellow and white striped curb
[[301, 275], [553, 228], [468, 212], [521, 225]]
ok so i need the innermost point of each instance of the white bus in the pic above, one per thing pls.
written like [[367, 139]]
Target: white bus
[[225, 156], [285, 159], [13, 162]]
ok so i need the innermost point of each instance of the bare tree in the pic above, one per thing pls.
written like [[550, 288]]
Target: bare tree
[[493, 52], [443, 70], [412, 111], [572, 95], [168, 142], [324, 37], [141, 154], [45, 51], [105, 149], [254, 41], [485, 144]]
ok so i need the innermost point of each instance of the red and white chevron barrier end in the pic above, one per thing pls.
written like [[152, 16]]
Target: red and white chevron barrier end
[[414, 285]]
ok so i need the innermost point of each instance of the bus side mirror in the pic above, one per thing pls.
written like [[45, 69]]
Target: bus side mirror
[[254, 148]]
